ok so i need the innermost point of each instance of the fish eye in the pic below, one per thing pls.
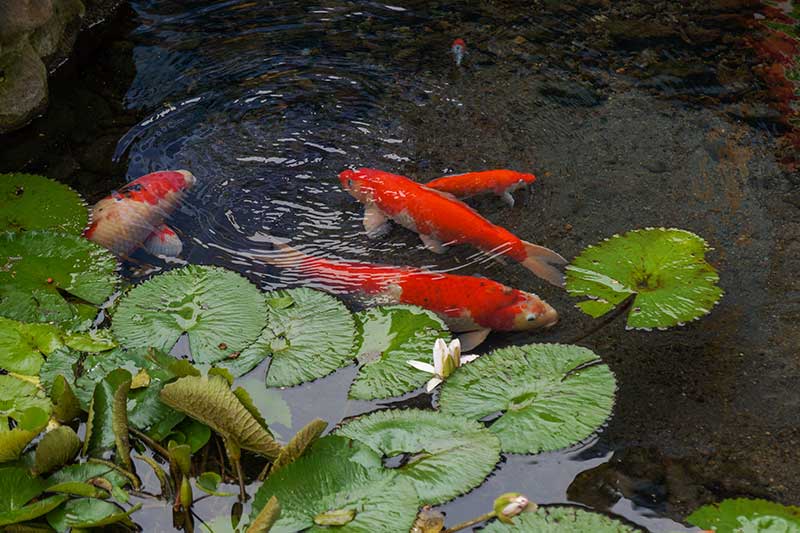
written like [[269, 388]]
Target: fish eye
[[350, 183], [532, 317], [136, 187]]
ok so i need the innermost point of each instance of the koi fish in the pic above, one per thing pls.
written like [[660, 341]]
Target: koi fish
[[500, 182], [134, 215], [441, 220], [163, 241], [459, 50], [469, 305]]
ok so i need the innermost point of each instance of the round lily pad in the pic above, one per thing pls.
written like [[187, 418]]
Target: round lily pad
[[740, 515], [561, 519], [390, 337], [309, 334], [541, 397], [338, 482], [219, 310], [52, 277], [665, 269], [31, 202], [442, 456]]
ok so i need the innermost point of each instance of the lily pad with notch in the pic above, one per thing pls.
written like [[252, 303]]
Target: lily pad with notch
[[561, 519], [539, 397], [442, 456], [17, 488], [220, 311], [663, 270], [33, 202], [737, 515], [338, 483], [53, 277], [388, 338]]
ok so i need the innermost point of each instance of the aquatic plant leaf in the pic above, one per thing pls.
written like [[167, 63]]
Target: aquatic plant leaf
[[740, 515], [14, 442], [209, 482], [220, 311], [309, 334], [548, 395], [301, 442], [24, 402], [191, 432], [269, 402], [442, 456], [61, 362], [107, 422], [85, 473], [32, 202], [99, 340], [560, 519], [390, 337], [339, 475], [211, 401], [17, 487], [76, 488], [57, 448], [85, 513], [665, 268], [32, 510], [266, 518], [51, 277], [66, 406], [146, 411]]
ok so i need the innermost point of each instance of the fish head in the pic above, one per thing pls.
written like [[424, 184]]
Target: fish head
[[358, 183], [531, 312], [156, 186]]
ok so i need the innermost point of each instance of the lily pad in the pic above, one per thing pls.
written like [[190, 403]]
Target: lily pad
[[23, 346], [309, 334], [442, 456], [220, 311], [32, 202], [23, 402], [390, 337], [742, 515], [86, 513], [665, 269], [561, 519], [542, 396], [52, 277], [343, 479]]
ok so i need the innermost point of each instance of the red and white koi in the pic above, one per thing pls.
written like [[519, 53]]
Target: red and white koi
[[459, 50], [441, 220], [134, 215], [501, 182], [467, 304]]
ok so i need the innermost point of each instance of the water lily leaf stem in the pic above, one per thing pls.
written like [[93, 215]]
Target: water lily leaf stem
[[621, 309]]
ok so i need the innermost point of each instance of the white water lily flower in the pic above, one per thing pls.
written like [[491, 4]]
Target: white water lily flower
[[445, 360]]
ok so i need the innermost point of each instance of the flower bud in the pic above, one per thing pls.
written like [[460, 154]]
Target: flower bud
[[510, 504]]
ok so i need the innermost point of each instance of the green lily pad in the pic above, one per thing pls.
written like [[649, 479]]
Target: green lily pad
[[558, 519], [220, 311], [86, 513], [23, 346], [57, 448], [51, 277], [18, 487], [665, 269], [31, 202], [23, 402], [146, 411], [61, 362], [442, 456], [548, 395], [85, 472], [390, 337], [742, 515], [342, 478], [309, 334]]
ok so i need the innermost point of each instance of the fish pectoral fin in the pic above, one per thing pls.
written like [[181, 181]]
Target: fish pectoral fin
[[163, 241], [375, 222], [545, 263], [433, 244], [472, 339], [508, 198]]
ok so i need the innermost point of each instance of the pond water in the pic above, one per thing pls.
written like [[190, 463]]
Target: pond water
[[631, 113]]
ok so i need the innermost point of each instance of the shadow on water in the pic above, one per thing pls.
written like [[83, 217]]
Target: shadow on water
[[632, 114]]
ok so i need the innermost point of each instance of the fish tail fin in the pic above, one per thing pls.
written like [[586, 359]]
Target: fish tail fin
[[283, 256], [545, 263]]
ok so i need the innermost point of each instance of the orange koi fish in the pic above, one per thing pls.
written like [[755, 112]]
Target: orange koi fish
[[128, 218], [441, 220], [500, 182], [469, 305], [459, 50]]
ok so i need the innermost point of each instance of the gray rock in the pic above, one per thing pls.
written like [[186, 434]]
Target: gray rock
[[54, 39], [23, 86], [18, 17]]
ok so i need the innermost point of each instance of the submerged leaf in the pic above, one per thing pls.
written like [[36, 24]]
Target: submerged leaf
[[57, 448], [298, 445], [665, 268], [211, 401], [50, 277], [741, 515], [548, 395], [31, 202], [390, 337], [442, 456], [338, 476], [561, 519], [220, 311]]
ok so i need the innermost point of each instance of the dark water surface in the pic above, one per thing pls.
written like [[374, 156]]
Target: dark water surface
[[632, 114]]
